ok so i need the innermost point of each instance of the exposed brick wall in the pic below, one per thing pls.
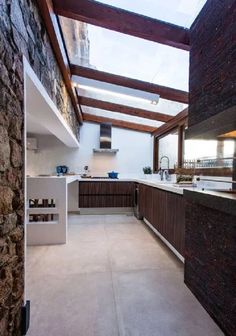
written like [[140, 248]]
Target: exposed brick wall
[[212, 83], [210, 262], [21, 32]]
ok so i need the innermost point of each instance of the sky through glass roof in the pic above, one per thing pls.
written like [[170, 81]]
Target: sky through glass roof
[[130, 56], [179, 12], [133, 57]]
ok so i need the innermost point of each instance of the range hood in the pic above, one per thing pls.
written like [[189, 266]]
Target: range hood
[[105, 139]]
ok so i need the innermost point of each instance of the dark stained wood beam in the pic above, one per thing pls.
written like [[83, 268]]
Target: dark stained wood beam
[[163, 91], [137, 112], [123, 21], [53, 30], [179, 120], [118, 123]]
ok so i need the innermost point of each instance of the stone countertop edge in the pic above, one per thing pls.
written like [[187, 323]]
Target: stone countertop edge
[[212, 199]]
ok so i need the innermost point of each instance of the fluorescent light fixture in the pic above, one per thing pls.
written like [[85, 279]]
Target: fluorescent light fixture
[[112, 89], [116, 94]]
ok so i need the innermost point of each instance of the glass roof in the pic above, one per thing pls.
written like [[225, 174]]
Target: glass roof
[[121, 116], [179, 12], [132, 57], [125, 55]]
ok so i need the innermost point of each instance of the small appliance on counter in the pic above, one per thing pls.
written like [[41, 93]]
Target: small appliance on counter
[[86, 173], [62, 170], [113, 175]]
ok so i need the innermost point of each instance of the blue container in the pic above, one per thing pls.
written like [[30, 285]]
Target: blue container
[[113, 175], [62, 170]]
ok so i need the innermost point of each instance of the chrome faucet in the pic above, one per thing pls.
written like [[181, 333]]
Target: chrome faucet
[[165, 172]]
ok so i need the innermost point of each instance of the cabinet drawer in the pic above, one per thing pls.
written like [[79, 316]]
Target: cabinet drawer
[[106, 188], [107, 201]]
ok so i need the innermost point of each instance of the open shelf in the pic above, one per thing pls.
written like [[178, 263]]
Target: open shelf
[[43, 223], [42, 211]]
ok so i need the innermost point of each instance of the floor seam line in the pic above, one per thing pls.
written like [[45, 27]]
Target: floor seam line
[[112, 282]]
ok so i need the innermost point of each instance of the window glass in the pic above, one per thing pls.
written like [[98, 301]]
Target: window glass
[[195, 149], [125, 55], [168, 146], [180, 12]]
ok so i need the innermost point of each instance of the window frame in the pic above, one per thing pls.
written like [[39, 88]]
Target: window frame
[[180, 154]]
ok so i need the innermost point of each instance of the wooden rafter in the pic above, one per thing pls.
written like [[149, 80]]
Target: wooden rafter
[[118, 123], [137, 112], [53, 30], [123, 21], [163, 91], [177, 121]]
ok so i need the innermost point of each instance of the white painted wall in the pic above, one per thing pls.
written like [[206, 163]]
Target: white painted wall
[[135, 152]]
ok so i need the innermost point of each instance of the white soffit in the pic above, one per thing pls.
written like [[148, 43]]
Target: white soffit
[[41, 110]]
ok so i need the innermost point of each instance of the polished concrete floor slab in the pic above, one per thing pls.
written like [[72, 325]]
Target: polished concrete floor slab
[[113, 278]]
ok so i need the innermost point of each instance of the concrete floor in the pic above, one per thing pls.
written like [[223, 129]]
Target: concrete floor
[[112, 278]]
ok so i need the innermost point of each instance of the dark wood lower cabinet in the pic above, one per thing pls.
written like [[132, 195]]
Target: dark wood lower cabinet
[[146, 202], [165, 211], [106, 194]]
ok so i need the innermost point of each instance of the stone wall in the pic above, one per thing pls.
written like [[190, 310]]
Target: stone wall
[[21, 32], [212, 81]]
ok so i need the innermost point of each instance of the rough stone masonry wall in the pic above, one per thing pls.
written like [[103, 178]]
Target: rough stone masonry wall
[[21, 32], [212, 81]]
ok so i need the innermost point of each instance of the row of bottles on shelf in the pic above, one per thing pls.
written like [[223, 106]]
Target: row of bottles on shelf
[[41, 217], [42, 203]]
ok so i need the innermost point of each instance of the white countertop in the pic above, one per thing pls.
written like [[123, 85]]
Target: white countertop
[[68, 178], [164, 185], [150, 181]]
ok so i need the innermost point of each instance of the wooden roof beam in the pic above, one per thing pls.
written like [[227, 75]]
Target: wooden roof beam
[[113, 107], [118, 123], [123, 21], [179, 119], [53, 30], [163, 91]]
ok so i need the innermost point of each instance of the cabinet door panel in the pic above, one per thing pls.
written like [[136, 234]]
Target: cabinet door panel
[[169, 217], [141, 200], [149, 204], [159, 210], [146, 202], [175, 219]]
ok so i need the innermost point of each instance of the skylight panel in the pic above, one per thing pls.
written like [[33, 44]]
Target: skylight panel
[[126, 55], [179, 12]]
